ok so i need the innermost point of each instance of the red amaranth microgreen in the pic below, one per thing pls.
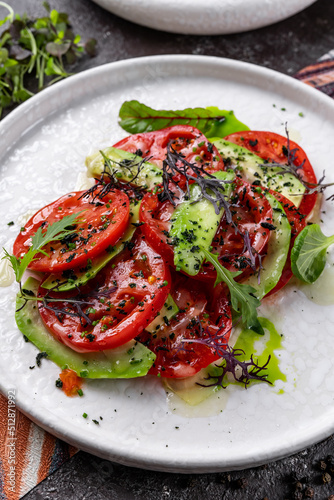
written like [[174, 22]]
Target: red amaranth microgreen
[[77, 303], [212, 189], [242, 371]]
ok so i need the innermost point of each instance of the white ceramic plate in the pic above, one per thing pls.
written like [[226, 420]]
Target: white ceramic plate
[[43, 146], [205, 17]]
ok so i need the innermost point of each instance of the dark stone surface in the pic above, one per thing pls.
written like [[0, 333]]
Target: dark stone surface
[[287, 47]]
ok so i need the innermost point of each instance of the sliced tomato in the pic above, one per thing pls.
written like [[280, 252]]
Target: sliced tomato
[[251, 213], [101, 223], [273, 147], [113, 307], [297, 221], [189, 342], [186, 140]]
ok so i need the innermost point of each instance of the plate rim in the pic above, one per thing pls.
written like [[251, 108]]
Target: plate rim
[[127, 459], [261, 13]]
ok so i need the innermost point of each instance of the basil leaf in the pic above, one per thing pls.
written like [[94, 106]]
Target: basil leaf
[[136, 118], [308, 255]]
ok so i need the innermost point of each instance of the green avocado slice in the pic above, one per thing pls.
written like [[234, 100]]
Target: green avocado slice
[[196, 389], [127, 361], [253, 168], [194, 225], [277, 252], [124, 166]]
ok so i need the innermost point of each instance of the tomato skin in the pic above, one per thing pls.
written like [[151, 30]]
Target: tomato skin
[[269, 146], [102, 223], [120, 301], [297, 221], [71, 382], [154, 227], [187, 140], [248, 204], [179, 359]]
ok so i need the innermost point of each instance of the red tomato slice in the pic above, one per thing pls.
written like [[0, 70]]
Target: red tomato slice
[[102, 223], [249, 210], [189, 141], [118, 303], [297, 222], [270, 146], [204, 315]]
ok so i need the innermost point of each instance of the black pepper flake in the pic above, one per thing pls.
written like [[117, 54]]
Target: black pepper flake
[[90, 337], [40, 356], [269, 226], [70, 257], [59, 383]]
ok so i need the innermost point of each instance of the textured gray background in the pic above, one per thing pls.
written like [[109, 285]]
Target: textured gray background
[[287, 47]]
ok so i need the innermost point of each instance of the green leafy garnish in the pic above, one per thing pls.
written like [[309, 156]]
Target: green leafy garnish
[[136, 117], [38, 48], [56, 231], [242, 299], [308, 255]]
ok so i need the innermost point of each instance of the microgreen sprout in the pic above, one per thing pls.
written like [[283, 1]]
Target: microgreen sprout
[[39, 48]]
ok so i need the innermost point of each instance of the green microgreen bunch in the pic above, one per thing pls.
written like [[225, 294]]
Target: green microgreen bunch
[[40, 48]]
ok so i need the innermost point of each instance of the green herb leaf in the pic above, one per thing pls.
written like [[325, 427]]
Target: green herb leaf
[[136, 117], [56, 231], [308, 255], [242, 299]]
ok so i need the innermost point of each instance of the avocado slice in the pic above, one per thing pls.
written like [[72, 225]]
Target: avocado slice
[[125, 167], [277, 253], [253, 168], [80, 277], [194, 225], [189, 389], [168, 311], [130, 360]]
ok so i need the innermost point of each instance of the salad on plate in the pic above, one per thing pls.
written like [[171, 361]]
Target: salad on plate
[[190, 222]]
